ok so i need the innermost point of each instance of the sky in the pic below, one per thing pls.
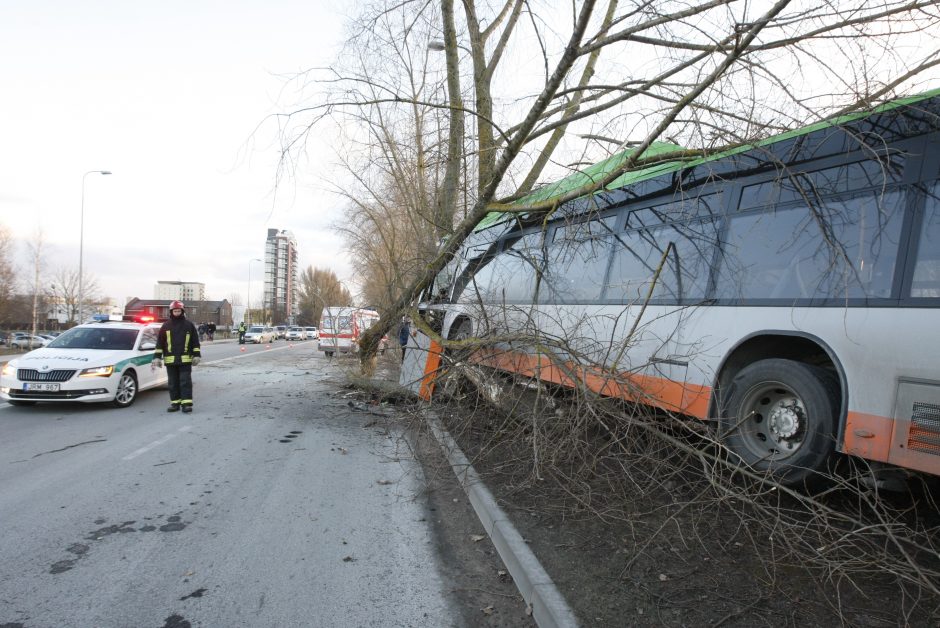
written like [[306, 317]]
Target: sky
[[174, 99]]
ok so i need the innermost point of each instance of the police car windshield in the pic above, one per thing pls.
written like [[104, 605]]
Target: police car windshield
[[256, 329], [96, 338]]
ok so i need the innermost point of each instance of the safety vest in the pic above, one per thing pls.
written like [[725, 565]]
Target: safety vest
[[186, 358]]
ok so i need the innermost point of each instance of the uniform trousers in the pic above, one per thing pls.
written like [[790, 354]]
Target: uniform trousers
[[181, 383]]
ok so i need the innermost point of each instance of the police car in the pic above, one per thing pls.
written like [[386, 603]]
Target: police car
[[105, 361]]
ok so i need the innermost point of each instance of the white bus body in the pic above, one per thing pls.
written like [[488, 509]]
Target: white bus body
[[789, 292]]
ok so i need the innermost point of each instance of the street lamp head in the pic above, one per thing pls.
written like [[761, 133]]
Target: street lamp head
[[105, 172], [436, 45]]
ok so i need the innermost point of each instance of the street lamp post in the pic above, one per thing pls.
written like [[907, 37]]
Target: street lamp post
[[248, 308], [81, 245]]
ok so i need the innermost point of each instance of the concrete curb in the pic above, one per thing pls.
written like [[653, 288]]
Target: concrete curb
[[549, 608]]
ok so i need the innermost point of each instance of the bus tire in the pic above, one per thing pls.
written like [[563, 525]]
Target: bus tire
[[780, 419]]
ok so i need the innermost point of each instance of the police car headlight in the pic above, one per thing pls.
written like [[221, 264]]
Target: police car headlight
[[9, 370], [98, 371]]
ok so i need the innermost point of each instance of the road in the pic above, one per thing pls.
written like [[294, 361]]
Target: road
[[273, 504]]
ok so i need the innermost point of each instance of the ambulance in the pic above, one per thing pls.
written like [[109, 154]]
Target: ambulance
[[341, 327]]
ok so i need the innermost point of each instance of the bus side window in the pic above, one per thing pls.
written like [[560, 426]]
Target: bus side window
[[684, 275], [842, 248], [637, 254], [576, 263], [926, 283], [509, 276], [515, 271]]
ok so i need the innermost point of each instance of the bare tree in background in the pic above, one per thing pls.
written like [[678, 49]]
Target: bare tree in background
[[64, 290], [7, 274], [562, 87], [37, 260], [320, 288]]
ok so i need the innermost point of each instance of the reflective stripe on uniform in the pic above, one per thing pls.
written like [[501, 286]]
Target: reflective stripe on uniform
[[186, 402]]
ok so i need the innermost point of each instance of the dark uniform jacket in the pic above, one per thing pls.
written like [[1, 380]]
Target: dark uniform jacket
[[178, 342]]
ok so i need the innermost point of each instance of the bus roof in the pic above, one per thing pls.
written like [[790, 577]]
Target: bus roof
[[597, 172]]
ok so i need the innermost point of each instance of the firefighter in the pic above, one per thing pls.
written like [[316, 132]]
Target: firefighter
[[178, 348], [241, 332]]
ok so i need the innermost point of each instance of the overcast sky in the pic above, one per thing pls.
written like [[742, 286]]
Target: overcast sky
[[167, 96]]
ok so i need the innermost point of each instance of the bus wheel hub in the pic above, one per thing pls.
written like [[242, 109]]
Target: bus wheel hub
[[785, 420]]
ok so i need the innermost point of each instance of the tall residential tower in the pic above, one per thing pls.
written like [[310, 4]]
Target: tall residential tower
[[280, 276]]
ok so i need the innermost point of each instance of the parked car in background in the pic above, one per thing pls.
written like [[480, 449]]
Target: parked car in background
[[280, 331], [26, 341], [312, 333], [107, 361], [259, 334], [296, 333]]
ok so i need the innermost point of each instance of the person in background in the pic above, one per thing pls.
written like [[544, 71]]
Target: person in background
[[178, 348], [403, 332], [210, 330], [242, 328]]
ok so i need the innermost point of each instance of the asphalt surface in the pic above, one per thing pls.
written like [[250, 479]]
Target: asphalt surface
[[275, 503]]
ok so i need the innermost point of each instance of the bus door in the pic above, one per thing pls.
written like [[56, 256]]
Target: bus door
[[499, 294], [660, 272], [578, 330]]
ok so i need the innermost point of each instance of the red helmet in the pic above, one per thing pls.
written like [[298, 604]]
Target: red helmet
[[177, 305]]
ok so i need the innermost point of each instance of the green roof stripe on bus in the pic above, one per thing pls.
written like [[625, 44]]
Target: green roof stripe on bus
[[598, 171]]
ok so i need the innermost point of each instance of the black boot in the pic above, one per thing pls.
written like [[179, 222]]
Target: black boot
[[174, 407], [188, 408]]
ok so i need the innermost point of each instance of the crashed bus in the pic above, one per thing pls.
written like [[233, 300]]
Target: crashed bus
[[786, 291]]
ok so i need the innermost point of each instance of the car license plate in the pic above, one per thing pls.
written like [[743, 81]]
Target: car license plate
[[41, 387]]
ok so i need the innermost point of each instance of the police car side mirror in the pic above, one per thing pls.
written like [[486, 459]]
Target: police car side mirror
[[148, 346]]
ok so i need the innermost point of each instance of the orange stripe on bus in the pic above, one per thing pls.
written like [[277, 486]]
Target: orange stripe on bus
[[895, 441], [431, 366], [691, 399], [868, 436]]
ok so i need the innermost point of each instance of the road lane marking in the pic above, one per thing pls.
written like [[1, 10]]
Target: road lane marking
[[156, 443], [245, 355]]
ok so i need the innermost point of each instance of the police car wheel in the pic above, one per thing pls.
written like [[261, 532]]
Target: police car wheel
[[126, 390]]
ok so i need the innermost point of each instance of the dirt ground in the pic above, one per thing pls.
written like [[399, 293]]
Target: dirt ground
[[667, 559]]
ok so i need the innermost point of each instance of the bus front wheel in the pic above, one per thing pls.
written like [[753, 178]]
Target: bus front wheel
[[780, 419]]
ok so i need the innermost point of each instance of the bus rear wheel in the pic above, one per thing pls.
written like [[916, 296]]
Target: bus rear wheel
[[780, 419]]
